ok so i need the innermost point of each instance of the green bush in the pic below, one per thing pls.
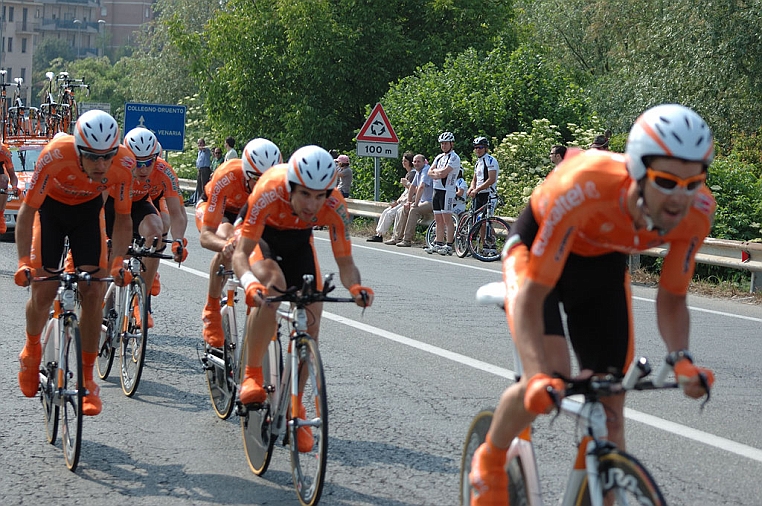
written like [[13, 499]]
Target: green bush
[[738, 193]]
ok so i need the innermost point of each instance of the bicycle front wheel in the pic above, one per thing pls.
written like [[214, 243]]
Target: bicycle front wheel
[[625, 482], [308, 463], [476, 435], [220, 379], [257, 424], [108, 334], [487, 238], [48, 385], [72, 392], [134, 337], [460, 243]]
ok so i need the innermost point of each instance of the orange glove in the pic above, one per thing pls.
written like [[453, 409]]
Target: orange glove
[[23, 274], [364, 293], [538, 398], [254, 289], [180, 249], [686, 372], [122, 276]]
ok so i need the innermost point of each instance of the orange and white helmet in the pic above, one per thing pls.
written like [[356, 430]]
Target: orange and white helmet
[[97, 132], [313, 167], [670, 130], [142, 142]]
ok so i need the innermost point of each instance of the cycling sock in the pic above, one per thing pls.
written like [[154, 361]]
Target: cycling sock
[[494, 454], [212, 304], [33, 340], [256, 373], [88, 361]]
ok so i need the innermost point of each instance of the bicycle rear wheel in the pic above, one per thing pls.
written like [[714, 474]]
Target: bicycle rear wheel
[[72, 392], [308, 467], [48, 385], [220, 379], [487, 238], [476, 435], [257, 424], [460, 243], [108, 334], [431, 233], [133, 341], [625, 482]]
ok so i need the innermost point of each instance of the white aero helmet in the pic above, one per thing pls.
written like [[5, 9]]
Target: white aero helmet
[[96, 131], [446, 137], [670, 130], [258, 156], [313, 167], [142, 142]]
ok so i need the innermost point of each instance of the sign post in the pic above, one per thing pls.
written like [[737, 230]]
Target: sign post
[[377, 139], [167, 122]]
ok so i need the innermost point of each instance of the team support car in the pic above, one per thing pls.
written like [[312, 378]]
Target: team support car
[[24, 158]]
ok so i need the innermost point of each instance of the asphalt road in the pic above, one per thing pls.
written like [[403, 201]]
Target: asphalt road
[[403, 380]]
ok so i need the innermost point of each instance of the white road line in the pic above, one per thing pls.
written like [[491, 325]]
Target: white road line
[[656, 422]]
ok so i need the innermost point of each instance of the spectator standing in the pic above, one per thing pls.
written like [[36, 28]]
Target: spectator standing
[[344, 171], [557, 154], [484, 184], [418, 205], [444, 171], [231, 153], [392, 213], [203, 172], [217, 158]]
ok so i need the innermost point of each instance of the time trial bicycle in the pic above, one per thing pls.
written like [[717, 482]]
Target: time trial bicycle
[[601, 472], [125, 320], [62, 386]]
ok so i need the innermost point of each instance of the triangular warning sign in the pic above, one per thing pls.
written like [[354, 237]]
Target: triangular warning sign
[[377, 127]]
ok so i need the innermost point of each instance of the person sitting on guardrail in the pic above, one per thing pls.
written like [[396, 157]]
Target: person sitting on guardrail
[[570, 245], [8, 182], [418, 205], [227, 193], [391, 214]]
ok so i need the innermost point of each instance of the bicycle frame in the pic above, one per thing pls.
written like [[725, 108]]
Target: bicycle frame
[[63, 312]]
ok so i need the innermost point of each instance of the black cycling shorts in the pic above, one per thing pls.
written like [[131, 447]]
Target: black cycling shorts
[[140, 209], [293, 251], [595, 295], [80, 223], [442, 203]]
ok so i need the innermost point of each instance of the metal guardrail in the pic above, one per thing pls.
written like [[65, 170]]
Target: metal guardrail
[[742, 255]]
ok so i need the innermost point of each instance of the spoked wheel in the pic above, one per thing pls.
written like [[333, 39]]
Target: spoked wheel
[[477, 434], [72, 391], [257, 424], [308, 461], [48, 386], [460, 242], [431, 232], [220, 379], [487, 238], [109, 334], [625, 482], [133, 341]]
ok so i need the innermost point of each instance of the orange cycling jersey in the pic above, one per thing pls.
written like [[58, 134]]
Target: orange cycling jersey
[[226, 192], [269, 205], [165, 182], [58, 175], [581, 208]]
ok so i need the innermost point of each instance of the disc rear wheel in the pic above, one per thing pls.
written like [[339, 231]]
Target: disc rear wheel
[[72, 391], [108, 337], [47, 386]]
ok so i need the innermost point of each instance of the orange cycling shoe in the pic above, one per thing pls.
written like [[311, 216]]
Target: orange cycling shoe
[[136, 312], [29, 369], [304, 438], [156, 285], [91, 403], [213, 334], [251, 391], [489, 482]]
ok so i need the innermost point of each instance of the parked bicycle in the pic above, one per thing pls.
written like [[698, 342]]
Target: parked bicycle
[[4, 105], [125, 320], [489, 232], [67, 102], [601, 472], [50, 118], [17, 120], [61, 377]]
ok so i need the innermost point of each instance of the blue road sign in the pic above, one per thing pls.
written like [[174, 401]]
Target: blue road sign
[[166, 121]]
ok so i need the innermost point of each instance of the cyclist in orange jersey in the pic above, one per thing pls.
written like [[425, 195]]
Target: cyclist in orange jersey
[[9, 181], [65, 200], [289, 200], [226, 192], [570, 247]]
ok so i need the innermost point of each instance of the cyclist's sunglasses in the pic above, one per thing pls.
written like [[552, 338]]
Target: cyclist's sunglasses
[[91, 155], [667, 183], [145, 163]]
